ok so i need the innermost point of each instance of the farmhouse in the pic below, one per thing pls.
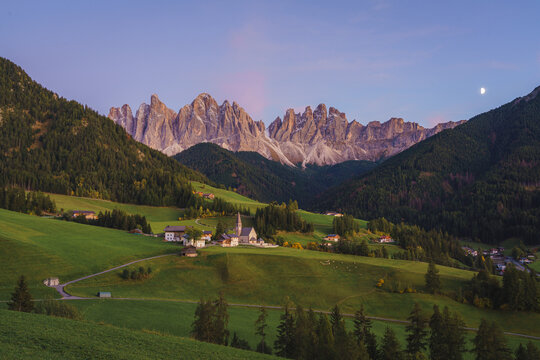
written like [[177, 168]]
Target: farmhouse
[[206, 236], [174, 233], [228, 240], [199, 243], [52, 281], [209, 196], [333, 213], [332, 237], [89, 215], [470, 251], [189, 251], [385, 239]]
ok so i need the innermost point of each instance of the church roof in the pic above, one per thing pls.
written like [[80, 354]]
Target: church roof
[[246, 231]]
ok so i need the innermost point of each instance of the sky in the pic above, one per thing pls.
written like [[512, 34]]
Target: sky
[[424, 61]]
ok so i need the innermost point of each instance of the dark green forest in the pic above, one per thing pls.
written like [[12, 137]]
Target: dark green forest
[[51, 144], [480, 180], [265, 180]]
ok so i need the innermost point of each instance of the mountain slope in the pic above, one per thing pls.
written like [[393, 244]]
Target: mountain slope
[[479, 180], [255, 176], [51, 144], [318, 137]]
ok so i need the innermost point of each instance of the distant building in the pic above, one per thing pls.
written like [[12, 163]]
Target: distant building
[[332, 237], [470, 251], [227, 240], [333, 213], [104, 294], [209, 196], [52, 281], [136, 231], [385, 239], [245, 235], [175, 233], [89, 215], [199, 243], [189, 251], [206, 236]]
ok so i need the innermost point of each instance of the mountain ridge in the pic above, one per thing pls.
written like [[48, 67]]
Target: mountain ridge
[[321, 137]]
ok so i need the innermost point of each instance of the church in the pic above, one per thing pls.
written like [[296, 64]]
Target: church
[[245, 235]]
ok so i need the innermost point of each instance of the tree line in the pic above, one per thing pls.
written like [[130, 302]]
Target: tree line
[[16, 199], [216, 207], [274, 217], [304, 334], [116, 219]]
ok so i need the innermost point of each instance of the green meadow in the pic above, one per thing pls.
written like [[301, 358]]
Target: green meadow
[[229, 196], [31, 336], [39, 248], [310, 278]]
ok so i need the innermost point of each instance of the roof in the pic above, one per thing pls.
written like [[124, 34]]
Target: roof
[[175, 228], [246, 231], [84, 212], [207, 232], [189, 248], [332, 235], [104, 293]]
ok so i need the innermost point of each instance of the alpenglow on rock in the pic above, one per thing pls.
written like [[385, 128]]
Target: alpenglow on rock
[[318, 137]]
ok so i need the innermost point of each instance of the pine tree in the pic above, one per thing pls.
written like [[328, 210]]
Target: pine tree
[[325, 344], [285, 342], [454, 335], [260, 330], [220, 321], [437, 341], [363, 335], [390, 348], [301, 334], [433, 282], [238, 343], [202, 327], [416, 338], [21, 299], [490, 343]]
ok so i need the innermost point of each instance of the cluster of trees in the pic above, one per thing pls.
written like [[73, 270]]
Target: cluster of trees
[[359, 248], [116, 219], [216, 207], [21, 300], [54, 145], [16, 199], [280, 217], [517, 293], [479, 180], [422, 245], [211, 321], [139, 274], [345, 225]]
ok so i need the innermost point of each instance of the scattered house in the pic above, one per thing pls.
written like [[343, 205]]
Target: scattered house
[[104, 294], [206, 236], [228, 240], [189, 251], [525, 261], [332, 237], [333, 213], [175, 233], [136, 231], [199, 243], [89, 215], [209, 196], [245, 235], [470, 251], [52, 281], [385, 239], [200, 193]]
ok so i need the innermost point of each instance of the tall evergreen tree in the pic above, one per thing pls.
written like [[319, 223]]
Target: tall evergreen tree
[[433, 282], [260, 330], [325, 345], [416, 331], [390, 348], [220, 321], [362, 333], [202, 327], [21, 299], [285, 341], [529, 352], [454, 335], [437, 341], [490, 343]]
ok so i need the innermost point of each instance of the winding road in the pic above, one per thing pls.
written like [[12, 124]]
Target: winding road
[[67, 296]]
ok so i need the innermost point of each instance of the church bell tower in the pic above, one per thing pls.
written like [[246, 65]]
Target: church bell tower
[[238, 225]]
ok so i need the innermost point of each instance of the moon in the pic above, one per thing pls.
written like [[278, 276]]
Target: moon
[[482, 91]]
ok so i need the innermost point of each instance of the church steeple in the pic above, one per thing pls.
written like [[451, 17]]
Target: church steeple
[[238, 225]]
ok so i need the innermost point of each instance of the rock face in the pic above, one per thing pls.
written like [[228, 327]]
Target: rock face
[[314, 137]]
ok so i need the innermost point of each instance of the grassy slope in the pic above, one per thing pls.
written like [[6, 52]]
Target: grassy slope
[[39, 248], [30, 336], [175, 318], [268, 276]]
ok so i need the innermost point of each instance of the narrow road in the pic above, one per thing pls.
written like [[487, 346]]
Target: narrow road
[[65, 295], [198, 223]]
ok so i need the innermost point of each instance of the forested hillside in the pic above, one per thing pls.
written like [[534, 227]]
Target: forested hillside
[[480, 180], [255, 176], [51, 144]]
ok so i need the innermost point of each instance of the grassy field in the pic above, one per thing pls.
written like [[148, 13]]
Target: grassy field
[[320, 280], [31, 336], [229, 196], [39, 248], [173, 318]]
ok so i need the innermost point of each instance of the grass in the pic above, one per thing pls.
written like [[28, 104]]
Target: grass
[[320, 280], [31, 336], [173, 318], [39, 248], [229, 196]]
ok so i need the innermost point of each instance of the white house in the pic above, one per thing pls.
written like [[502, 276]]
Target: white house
[[174, 233], [206, 236], [228, 240], [186, 241]]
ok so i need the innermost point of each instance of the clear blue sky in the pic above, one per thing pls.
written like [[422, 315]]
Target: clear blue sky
[[424, 61]]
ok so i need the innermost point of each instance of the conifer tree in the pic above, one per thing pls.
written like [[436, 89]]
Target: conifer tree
[[433, 282], [325, 345], [21, 299], [362, 333], [260, 330], [220, 321], [238, 343], [285, 342], [390, 348], [454, 335], [202, 325], [416, 338], [529, 352], [437, 344], [301, 334]]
